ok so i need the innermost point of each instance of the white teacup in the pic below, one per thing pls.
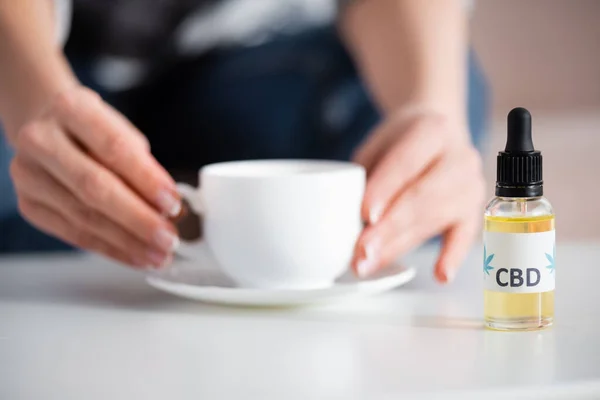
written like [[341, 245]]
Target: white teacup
[[280, 224]]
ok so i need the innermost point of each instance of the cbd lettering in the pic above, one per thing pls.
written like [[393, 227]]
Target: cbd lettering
[[513, 277]]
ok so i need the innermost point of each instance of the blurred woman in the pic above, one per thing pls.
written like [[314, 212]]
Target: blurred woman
[[144, 87]]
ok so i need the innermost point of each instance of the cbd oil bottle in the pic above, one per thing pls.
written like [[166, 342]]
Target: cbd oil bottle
[[519, 241]]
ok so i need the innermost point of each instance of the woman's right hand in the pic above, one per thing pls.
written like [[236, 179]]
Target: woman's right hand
[[85, 174]]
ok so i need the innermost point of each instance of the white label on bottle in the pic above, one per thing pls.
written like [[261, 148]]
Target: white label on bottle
[[519, 262]]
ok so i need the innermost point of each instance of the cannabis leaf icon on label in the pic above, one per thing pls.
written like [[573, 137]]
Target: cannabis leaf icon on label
[[551, 258], [486, 261]]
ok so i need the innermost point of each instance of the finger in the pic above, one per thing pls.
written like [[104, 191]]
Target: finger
[[456, 244], [111, 139], [407, 159], [96, 187], [54, 224], [37, 185]]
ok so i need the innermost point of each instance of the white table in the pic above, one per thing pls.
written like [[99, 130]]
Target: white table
[[78, 327]]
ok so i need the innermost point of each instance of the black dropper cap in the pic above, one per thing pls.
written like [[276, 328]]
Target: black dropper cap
[[519, 168]]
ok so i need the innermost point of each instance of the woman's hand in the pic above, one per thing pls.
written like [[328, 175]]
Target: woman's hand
[[424, 179], [83, 173]]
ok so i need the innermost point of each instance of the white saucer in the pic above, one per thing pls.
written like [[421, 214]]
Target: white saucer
[[201, 280]]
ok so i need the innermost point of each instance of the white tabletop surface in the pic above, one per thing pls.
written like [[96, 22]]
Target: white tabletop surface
[[78, 327]]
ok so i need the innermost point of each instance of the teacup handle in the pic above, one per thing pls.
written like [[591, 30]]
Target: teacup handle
[[193, 197]]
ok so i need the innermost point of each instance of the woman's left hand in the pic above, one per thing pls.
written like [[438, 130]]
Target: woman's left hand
[[424, 178]]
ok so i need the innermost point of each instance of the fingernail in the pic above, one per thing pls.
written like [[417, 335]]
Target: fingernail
[[445, 275], [166, 240], [139, 262], [368, 263], [375, 215], [365, 267], [369, 251], [156, 258], [168, 203], [166, 262], [159, 260]]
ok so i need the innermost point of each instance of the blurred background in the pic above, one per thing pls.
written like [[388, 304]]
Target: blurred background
[[538, 54], [544, 55]]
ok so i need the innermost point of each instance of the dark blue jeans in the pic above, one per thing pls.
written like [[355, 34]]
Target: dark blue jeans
[[297, 97]]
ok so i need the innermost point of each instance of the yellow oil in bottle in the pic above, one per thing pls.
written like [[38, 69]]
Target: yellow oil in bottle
[[519, 238], [518, 311]]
